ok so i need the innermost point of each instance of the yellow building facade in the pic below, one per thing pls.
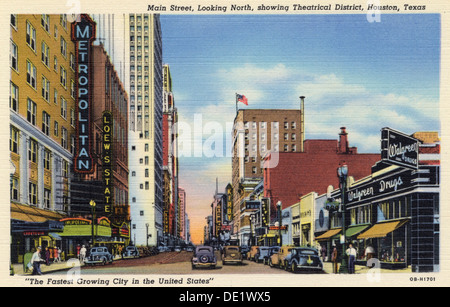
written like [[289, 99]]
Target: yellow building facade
[[42, 120]]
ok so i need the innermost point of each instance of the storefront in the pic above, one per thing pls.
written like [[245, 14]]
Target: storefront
[[401, 206], [32, 227], [306, 219], [79, 231]]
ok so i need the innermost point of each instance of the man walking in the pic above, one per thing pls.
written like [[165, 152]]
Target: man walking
[[36, 262], [351, 253]]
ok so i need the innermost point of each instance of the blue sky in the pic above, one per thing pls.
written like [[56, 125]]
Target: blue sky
[[357, 74]]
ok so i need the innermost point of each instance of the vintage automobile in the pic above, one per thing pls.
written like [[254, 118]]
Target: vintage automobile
[[252, 252], [99, 255], [244, 250], [204, 257], [303, 258], [231, 254], [262, 254], [177, 248], [277, 259], [272, 250], [131, 252]]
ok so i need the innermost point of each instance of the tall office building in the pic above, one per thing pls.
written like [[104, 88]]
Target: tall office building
[[172, 216], [145, 88], [256, 133]]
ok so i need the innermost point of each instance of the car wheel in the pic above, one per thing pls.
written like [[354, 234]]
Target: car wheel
[[104, 261], [293, 267], [270, 263], [286, 266]]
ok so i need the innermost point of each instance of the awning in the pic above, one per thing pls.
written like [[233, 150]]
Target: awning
[[54, 236], [381, 230], [329, 234], [353, 231]]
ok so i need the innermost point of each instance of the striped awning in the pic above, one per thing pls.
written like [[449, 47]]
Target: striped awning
[[329, 234], [381, 230]]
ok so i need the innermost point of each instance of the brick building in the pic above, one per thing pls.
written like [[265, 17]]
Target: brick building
[[299, 173]]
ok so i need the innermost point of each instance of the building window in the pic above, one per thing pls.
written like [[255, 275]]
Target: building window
[[47, 195], [14, 140], [254, 170], [275, 125], [31, 36], [13, 56], [31, 111], [286, 125], [45, 88], [45, 22], [46, 123], [146, 147], [45, 54], [146, 172], [141, 213], [72, 61], [294, 147], [293, 125], [14, 97], [32, 151], [146, 160], [63, 78], [286, 147], [286, 136], [65, 169], [56, 129], [147, 185], [14, 21], [31, 74], [72, 144], [293, 137], [32, 194], [15, 189], [63, 107], [63, 137], [133, 174], [63, 21], [72, 88], [55, 63]]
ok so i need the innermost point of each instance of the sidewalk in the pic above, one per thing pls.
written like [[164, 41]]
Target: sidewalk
[[53, 267], [362, 269]]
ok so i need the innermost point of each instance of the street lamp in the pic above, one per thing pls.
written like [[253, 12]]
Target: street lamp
[[92, 204], [342, 173], [279, 221], [146, 226]]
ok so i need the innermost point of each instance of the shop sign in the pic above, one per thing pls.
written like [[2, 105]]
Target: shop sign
[[229, 203], [33, 233], [389, 184], [399, 148], [305, 214], [103, 221], [75, 221], [83, 33], [166, 220], [107, 152], [265, 212], [252, 204], [218, 219], [284, 227]]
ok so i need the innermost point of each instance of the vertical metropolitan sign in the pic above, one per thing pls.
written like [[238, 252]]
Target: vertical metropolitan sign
[[399, 148], [107, 157], [83, 33]]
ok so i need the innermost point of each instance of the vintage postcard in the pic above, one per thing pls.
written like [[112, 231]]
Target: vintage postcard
[[225, 144]]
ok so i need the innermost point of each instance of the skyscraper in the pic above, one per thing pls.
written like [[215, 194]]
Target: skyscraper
[[144, 51]]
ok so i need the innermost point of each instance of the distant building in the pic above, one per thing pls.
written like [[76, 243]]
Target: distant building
[[299, 173], [256, 133]]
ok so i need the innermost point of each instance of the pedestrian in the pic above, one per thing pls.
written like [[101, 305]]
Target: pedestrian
[[324, 253], [369, 252], [82, 253], [55, 254], [351, 253], [59, 254], [36, 261], [335, 259], [47, 256], [78, 251]]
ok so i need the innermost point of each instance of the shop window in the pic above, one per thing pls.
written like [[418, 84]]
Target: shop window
[[32, 194]]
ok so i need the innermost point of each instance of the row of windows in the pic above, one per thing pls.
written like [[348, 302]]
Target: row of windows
[[276, 136], [32, 193], [275, 125], [276, 148]]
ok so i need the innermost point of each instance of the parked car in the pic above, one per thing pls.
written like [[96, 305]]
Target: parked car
[[244, 250], [189, 248], [204, 257], [232, 254], [177, 248], [99, 255], [272, 250], [303, 258], [131, 252], [262, 254], [277, 259], [252, 252]]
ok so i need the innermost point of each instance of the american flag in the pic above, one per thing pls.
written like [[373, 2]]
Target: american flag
[[242, 99]]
